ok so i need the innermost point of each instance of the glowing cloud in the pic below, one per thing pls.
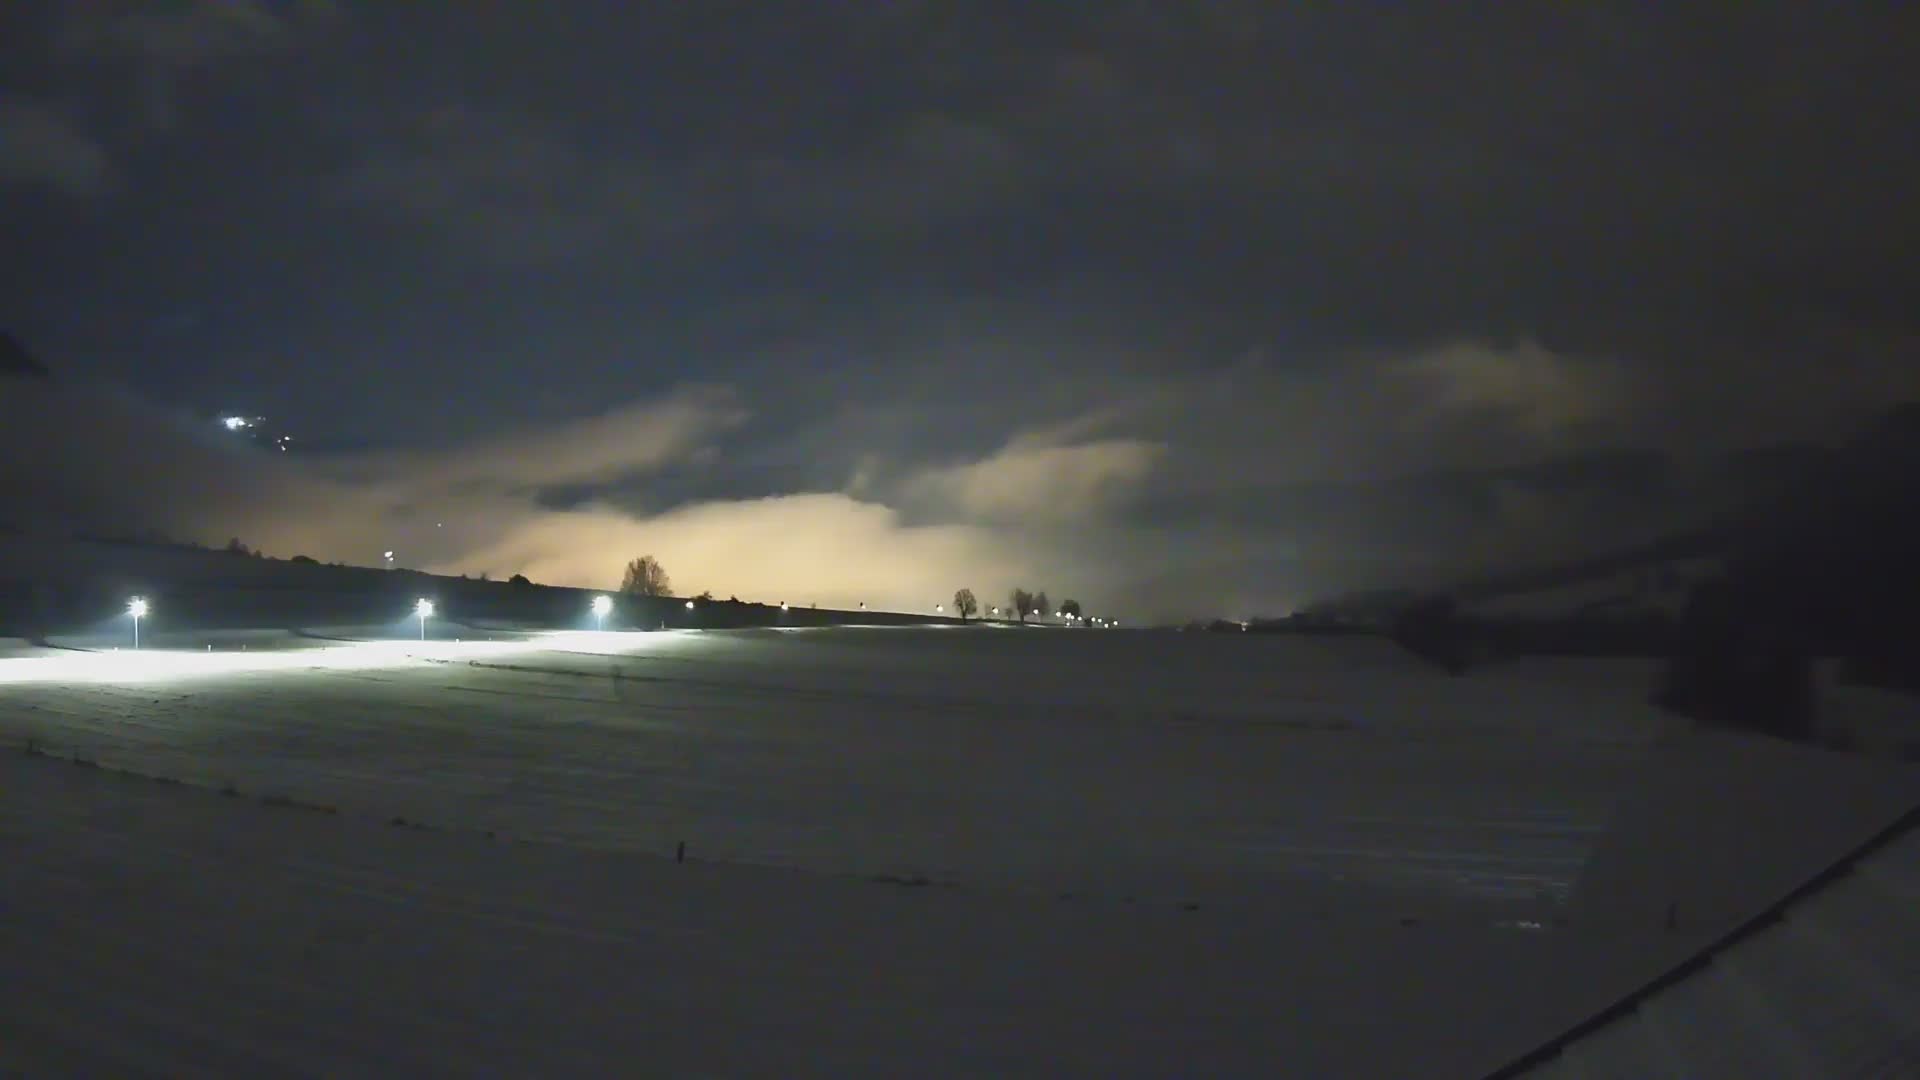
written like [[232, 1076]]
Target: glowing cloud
[[1025, 482]]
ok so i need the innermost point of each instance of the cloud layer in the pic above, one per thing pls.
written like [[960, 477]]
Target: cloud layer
[[1246, 494], [46, 149], [1183, 312], [83, 459]]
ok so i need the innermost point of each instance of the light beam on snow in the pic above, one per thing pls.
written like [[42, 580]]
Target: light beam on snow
[[168, 665]]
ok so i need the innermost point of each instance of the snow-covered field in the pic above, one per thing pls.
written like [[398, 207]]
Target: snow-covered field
[[164, 930], [1131, 854], [1167, 766]]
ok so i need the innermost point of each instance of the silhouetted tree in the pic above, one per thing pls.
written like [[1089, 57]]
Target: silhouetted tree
[[518, 579], [646, 577], [1430, 628], [306, 559], [1040, 607], [1738, 664], [1070, 607], [965, 604], [235, 547], [1022, 602]]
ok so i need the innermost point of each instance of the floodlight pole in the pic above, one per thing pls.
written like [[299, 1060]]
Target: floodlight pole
[[136, 632]]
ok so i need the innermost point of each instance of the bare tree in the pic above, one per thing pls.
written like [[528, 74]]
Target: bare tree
[[1040, 607], [1022, 603], [965, 604], [646, 577]]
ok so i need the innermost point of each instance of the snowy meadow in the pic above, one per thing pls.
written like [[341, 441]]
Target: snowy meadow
[[1132, 764]]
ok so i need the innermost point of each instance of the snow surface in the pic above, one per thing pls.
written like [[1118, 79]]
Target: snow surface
[[1147, 854], [1165, 766], [165, 930], [1829, 986], [1720, 825]]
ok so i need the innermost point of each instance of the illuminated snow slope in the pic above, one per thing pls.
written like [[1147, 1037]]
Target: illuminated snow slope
[[1170, 766]]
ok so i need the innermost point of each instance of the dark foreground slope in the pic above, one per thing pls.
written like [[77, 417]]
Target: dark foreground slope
[[157, 929]]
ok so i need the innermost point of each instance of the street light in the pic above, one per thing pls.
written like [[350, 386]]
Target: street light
[[423, 607], [689, 605], [601, 605], [136, 607]]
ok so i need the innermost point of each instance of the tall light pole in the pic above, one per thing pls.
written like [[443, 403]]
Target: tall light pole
[[601, 605], [423, 607], [136, 607]]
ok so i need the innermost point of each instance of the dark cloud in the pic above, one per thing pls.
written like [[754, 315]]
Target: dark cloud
[[45, 148], [158, 46], [1199, 307]]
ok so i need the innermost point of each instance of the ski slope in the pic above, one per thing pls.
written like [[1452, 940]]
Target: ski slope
[[1165, 766]]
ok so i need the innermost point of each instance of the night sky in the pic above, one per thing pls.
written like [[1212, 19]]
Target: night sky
[[1178, 308]]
